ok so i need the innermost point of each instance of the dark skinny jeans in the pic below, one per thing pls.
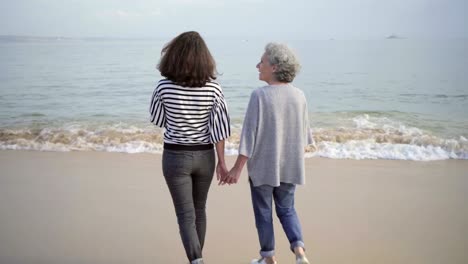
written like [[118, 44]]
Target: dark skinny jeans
[[188, 175]]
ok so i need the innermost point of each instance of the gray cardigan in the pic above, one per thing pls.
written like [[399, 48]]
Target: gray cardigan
[[274, 135]]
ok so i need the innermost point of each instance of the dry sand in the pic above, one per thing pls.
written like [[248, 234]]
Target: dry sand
[[91, 207]]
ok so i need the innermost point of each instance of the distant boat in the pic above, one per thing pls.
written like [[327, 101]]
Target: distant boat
[[394, 36]]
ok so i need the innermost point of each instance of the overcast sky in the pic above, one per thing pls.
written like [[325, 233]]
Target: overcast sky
[[303, 19]]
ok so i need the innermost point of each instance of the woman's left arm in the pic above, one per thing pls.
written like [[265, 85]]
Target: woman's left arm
[[220, 131], [221, 169]]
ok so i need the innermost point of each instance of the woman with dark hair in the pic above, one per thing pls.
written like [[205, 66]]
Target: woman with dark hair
[[190, 105], [274, 136]]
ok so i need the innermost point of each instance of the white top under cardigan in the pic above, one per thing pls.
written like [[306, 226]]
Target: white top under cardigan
[[274, 135]]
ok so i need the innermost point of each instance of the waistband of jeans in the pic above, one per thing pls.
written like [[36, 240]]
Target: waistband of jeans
[[188, 147]]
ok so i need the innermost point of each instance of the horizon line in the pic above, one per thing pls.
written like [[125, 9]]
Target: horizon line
[[243, 38]]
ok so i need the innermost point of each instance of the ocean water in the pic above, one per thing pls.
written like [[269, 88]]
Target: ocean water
[[368, 99]]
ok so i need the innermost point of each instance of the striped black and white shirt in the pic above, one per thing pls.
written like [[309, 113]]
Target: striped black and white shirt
[[190, 115]]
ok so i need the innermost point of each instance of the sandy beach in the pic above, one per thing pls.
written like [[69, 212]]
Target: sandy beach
[[97, 207]]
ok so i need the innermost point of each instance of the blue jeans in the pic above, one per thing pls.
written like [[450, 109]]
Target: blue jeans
[[188, 175], [283, 195]]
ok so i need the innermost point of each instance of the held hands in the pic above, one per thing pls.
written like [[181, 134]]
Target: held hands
[[230, 177], [221, 171], [233, 175], [224, 176]]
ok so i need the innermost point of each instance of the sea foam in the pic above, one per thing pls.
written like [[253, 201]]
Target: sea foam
[[366, 138]]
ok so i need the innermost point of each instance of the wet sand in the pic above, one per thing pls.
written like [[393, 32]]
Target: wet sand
[[95, 207]]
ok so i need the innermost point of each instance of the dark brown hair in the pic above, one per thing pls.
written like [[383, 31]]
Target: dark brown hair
[[187, 61]]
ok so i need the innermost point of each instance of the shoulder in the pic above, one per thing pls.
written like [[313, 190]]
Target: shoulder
[[213, 84], [257, 95], [259, 92], [165, 83], [215, 87], [297, 89], [299, 92]]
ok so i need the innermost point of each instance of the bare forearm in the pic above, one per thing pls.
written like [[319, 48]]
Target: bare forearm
[[240, 161], [220, 151]]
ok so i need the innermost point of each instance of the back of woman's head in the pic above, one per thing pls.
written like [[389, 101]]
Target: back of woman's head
[[187, 61], [284, 59]]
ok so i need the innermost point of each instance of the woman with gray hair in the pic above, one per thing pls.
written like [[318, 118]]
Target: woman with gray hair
[[274, 136]]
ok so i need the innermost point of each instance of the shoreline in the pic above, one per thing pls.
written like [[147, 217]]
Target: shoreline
[[101, 207]]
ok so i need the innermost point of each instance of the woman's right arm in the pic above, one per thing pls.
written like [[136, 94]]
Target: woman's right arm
[[156, 109]]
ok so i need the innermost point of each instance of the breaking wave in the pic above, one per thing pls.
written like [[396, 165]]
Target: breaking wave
[[366, 138]]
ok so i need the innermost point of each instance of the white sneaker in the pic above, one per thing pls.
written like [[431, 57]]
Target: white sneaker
[[302, 260], [260, 261], [197, 261]]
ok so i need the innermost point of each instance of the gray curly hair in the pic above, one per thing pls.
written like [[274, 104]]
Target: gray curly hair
[[286, 62]]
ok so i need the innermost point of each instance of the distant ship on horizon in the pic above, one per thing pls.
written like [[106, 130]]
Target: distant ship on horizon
[[394, 36]]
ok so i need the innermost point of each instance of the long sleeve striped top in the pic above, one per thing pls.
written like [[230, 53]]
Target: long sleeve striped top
[[190, 115]]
